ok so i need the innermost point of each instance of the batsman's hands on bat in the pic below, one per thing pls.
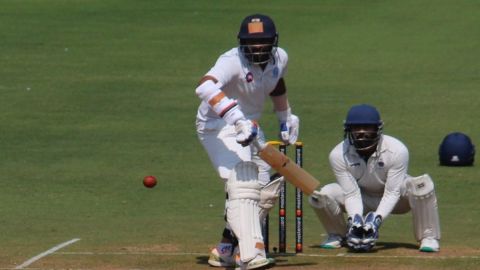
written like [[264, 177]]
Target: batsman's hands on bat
[[289, 129], [355, 233], [371, 226], [247, 131]]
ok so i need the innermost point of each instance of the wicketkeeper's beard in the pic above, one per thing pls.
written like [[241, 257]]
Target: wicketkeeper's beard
[[364, 141]]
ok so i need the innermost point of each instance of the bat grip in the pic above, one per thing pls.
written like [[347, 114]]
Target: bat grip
[[259, 145]]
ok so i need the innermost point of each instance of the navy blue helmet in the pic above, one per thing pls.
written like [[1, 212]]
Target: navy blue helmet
[[456, 149], [363, 115], [258, 38]]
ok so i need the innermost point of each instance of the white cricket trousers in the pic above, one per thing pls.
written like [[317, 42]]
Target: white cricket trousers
[[219, 140]]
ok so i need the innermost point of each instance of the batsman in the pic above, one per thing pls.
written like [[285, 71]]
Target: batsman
[[372, 183], [233, 93]]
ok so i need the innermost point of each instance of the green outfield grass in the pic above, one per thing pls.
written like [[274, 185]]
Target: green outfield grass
[[94, 95]]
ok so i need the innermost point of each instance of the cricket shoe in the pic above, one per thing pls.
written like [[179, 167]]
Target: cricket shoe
[[333, 241], [257, 262], [224, 257], [429, 245]]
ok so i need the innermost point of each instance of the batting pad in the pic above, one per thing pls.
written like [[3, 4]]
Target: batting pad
[[243, 212], [423, 201], [269, 195], [329, 213]]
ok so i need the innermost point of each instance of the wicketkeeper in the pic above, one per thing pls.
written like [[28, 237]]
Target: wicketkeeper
[[372, 183], [233, 93]]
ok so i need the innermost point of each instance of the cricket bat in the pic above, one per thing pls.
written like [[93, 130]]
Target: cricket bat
[[286, 167]]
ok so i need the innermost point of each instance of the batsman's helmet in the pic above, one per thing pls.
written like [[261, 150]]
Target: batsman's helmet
[[456, 149], [258, 38], [366, 116]]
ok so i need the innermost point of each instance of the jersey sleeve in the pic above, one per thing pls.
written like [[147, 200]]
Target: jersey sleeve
[[224, 68], [395, 177], [283, 61], [351, 190]]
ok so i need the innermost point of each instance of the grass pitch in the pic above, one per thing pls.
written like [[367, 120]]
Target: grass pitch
[[97, 94]]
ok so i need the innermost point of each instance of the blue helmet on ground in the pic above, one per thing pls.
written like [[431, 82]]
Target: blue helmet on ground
[[365, 116], [456, 149]]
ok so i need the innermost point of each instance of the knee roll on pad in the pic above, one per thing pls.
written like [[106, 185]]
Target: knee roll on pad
[[243, 182], [423, 202], [420, 187]]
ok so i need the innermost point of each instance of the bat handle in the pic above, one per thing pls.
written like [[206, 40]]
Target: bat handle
[[259, 144]]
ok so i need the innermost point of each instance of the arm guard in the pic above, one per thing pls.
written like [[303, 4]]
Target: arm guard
[[223, 106]]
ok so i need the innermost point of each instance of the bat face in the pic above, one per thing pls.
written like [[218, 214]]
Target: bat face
[[286, 167]]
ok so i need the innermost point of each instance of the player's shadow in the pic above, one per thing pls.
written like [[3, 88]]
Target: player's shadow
[[379, 247], [394, 245], [280, 260], [202, 260]]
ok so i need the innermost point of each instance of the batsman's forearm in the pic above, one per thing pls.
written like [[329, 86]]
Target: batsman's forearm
[[289, 169]]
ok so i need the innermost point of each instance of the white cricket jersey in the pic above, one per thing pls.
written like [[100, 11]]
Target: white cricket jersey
[[244, 82], [382, 176]]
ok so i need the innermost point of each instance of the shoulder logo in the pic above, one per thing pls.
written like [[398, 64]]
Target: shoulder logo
[[249, 77]]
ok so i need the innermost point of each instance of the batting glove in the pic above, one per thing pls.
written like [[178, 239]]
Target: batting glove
[[371, 226], [355, 232], [289, 128], [246, 130]]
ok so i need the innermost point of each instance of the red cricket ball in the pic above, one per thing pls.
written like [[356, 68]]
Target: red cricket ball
[[149, 181]]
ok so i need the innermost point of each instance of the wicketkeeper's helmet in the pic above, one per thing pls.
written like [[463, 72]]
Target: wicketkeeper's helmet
[[258, 38], [363, 115], [456, 149]]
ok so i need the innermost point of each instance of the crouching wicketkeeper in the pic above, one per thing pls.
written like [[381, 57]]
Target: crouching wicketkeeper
[[372, 182]]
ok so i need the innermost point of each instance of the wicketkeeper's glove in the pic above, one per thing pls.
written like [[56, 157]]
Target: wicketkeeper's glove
[[371, 226], [355, 233]]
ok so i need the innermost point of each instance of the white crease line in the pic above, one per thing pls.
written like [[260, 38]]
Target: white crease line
[[46, 253], [426, 256], [343, 255], [134, 253]]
